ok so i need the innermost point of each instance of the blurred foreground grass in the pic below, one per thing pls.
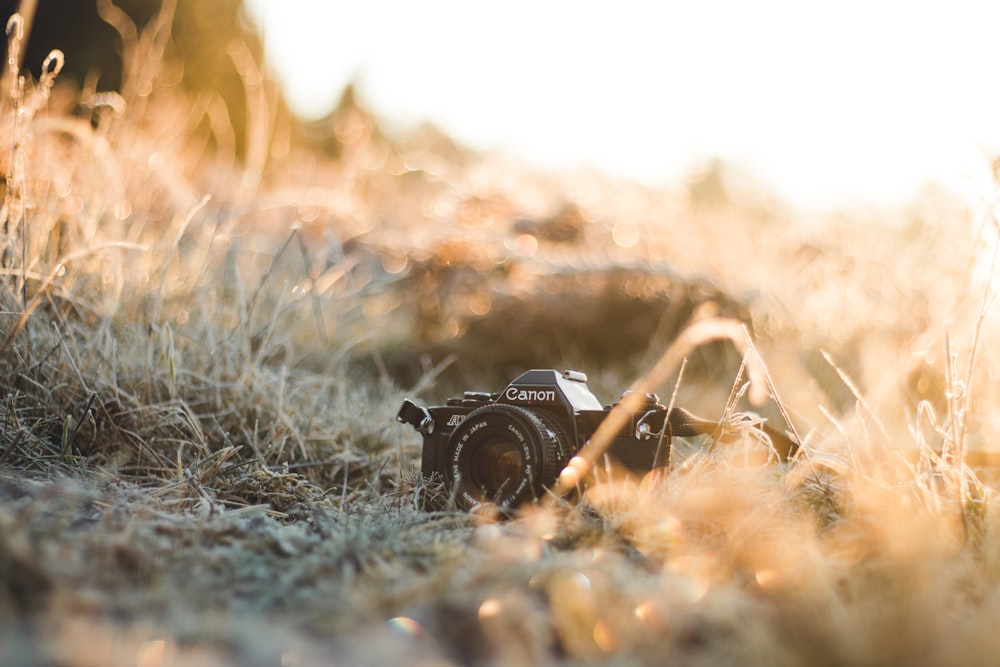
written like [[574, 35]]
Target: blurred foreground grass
[[201, 362]]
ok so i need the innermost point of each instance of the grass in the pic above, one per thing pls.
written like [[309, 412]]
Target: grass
[[202, 361]]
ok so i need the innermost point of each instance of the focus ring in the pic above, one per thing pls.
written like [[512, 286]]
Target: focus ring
[[534, 440]]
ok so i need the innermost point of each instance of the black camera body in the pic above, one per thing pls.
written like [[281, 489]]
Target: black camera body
[[506, 448]]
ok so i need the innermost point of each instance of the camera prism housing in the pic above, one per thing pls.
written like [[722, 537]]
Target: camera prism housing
[[507, 447]]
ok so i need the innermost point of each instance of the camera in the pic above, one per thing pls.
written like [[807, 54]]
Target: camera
[[508, 447]]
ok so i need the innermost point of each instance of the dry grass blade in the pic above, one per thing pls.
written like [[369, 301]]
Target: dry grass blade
[[862, 401], [772, 389], [172, 250], [49, 281]]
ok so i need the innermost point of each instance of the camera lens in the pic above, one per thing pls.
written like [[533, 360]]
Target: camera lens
[[497, 465], [505, 455]]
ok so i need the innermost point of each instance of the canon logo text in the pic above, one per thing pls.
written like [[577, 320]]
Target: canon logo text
[[518, 394]]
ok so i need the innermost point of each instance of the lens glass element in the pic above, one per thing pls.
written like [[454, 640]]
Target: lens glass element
[[497, 465]]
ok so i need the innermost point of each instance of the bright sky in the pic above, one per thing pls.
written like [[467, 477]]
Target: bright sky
[[830, 103]]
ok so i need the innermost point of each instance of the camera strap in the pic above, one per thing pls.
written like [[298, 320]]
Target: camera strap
[[683, 424]]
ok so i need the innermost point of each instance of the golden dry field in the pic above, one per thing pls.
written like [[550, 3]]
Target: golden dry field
[[202, 352]]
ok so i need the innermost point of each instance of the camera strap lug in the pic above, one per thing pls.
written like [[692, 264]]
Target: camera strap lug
[[416, 416], [643, 431]]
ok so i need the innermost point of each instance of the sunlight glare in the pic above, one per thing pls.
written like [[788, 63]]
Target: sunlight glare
[[625, 234], [827, 103], [154, 653], [603, 636], [490, 608], [406, 626]]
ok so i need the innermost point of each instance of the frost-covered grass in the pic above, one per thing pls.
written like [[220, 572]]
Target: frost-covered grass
[[201, 362]]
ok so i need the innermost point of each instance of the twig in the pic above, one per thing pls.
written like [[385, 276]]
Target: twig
[[79, 424], [10, 448], [695, 335], [663, 431]]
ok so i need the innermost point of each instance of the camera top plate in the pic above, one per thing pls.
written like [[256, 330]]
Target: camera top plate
[[547, 387]]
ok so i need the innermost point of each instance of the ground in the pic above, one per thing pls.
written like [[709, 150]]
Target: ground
[[202, 360]]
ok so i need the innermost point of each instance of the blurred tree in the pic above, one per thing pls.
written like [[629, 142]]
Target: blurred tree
[[203, 35], [707, 185]]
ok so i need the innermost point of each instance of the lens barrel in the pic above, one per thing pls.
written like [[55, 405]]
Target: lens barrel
[[505, 455]]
